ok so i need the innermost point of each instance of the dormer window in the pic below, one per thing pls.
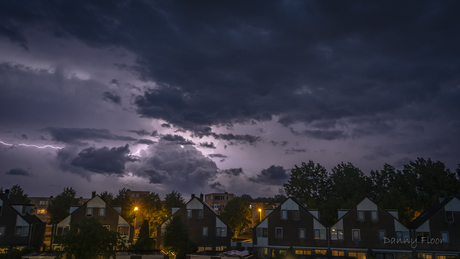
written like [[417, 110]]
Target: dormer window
[[449, 216], [89, 212], [374, 215], [361, 215], [284, 214]]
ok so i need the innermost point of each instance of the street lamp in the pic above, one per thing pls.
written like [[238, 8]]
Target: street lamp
[[260, 213]]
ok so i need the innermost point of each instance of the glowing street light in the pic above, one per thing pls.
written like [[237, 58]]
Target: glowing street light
[[260, 213]]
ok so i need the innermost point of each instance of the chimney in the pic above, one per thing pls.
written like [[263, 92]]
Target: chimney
[[93, 194], [193, 195], [7, 193], [201, 196]]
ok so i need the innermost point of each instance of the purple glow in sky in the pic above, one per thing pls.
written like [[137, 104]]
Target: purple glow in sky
[[214, 96]]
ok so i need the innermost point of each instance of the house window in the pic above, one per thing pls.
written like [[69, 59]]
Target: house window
[[189, 214], [279, 233], [205, 231], [221, 232], [320, 234], [302, 233], [262, 232], [445, 237], [381, 235], [357, 255], [200, 214], [374, 215], [22, 231], [2, 231], [101, 212], [320, 252], [336, 234], [423, 236], [284, 214], [361, 215], [89, 212], [123, 230], [295, 214], [41, 211], [356, 235], [449, 216], [338, 253], [43, 203], [107, 226], [425, 256]]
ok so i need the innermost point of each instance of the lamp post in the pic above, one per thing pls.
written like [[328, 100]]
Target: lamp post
[[135, 216], [260, 214]]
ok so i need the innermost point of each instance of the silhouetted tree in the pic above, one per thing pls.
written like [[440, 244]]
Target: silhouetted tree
[[59, 207], [176, 240], [238, 214]]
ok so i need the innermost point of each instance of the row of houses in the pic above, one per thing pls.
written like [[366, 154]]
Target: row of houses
[[363, 231]]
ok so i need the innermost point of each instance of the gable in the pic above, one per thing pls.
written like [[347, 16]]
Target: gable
[[194, 204], [96, 202], [453, 205], [290, 204], [367, 205]]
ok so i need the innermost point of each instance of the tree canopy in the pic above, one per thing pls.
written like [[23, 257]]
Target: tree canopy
[[18, 194], [59, 207], [238, 214], [89, 239], [173, 200], [144, 241], [176, 239]]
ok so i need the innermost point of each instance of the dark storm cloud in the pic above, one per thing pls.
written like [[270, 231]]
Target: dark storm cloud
[[112, 97], [18, 172], [166, 125], [207, 145], [177, 139], [77, 135], [64, 159], [104, 160], [145, 141], [141, 132], [217, 186], [321, 134], [24, 136], [311, 65], [233, 171], [174, 167], [276, 175]]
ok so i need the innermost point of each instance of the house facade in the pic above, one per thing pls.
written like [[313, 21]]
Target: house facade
[[18, 227], [104, 213], [41, 211], [207, 229], [291, 227], [437, 230], [368, 230]]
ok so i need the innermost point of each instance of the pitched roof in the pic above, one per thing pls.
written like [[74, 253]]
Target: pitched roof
[[31, 219], [208, 207], [428, 213]]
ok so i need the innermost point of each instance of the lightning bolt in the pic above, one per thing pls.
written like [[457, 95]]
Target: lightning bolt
[[27, 145]]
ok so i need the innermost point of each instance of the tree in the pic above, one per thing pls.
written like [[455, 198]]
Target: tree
[[173, 200], [154, 212], [144, 241], [238, 214], [106, 196], [59, 207], [127, 208], [89, 239], [17, 193], [176, 239]]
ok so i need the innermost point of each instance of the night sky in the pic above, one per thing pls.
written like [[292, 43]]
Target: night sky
[[211, 96]]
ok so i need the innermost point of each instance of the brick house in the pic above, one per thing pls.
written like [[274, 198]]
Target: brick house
[[207, 229], [368, 230], [218, 201], [437, 230], [18, 227], [107, 215], [291, 227]]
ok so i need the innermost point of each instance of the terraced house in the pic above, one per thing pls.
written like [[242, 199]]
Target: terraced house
[[207, 229]]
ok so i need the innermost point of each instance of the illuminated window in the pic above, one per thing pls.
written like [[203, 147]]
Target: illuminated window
[[302, 252], [338, 253], [320, 252], [41, 211], [357, 255], [425, 256]]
